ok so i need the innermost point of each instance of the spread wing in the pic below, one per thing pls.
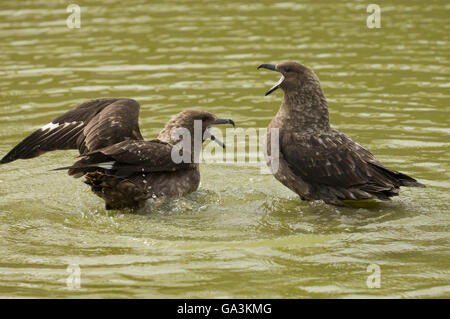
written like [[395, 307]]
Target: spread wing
[[335, 160], [89, 126], [129, 157]]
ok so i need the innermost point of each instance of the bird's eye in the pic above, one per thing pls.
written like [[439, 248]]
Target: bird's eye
[[287, 70]]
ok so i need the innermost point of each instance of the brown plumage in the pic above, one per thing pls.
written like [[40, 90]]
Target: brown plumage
[[118, 164], [316, 161]]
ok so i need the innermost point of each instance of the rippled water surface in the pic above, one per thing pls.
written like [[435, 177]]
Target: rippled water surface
[[242, 234]]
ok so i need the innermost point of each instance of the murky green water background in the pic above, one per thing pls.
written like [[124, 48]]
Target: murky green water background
[[242, 234]]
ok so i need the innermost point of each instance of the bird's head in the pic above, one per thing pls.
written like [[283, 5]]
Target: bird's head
[[192, 120], [294, 76]]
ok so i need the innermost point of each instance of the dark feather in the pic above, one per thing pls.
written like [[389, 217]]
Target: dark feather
[[130, 157], [91, 125], [337, 167], [118, 164]]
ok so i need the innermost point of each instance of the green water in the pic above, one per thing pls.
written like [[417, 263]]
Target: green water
[[242, 234]]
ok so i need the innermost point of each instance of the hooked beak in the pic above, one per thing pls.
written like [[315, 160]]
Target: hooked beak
[[272, 67], [224, 121], [210, 134]]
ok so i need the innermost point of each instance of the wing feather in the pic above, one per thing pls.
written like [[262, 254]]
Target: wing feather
[[331, 159], [90, 125], [130, 157], [338, 168]]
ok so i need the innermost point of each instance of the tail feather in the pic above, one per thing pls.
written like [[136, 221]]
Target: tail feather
[[88, 164], [414, 183], [397, 177], [77, 171], [84, 166]]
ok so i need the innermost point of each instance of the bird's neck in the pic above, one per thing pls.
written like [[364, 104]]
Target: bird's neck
[[306, 108], [183, 138]]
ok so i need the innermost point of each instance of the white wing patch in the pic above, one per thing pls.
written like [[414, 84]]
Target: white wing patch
[[51, 126], [105, 165]]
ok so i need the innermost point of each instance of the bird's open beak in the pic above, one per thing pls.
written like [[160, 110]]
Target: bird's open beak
[[272, 67], [210, 134]]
